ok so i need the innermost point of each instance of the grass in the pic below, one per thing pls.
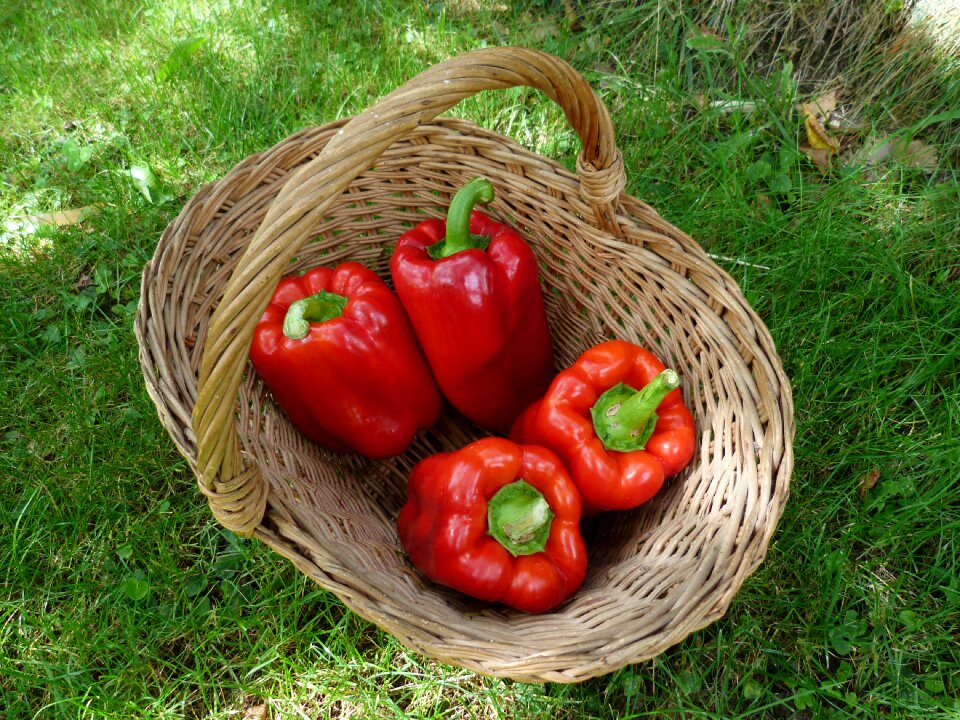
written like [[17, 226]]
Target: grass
[[121, 598]]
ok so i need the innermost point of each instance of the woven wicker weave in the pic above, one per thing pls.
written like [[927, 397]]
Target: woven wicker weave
[[611, 268]]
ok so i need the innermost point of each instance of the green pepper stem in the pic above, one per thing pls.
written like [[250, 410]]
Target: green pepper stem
[[625, 418], [478, 190], [316, 308], [519, 518], [636, 411]]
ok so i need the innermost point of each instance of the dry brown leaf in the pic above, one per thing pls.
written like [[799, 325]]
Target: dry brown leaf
[[61, 218], [846, 121], [868, 481], [255, 712], [917, 154], [819, 156], [820, 107], [914, 154], [818, 137], [822, 145], [84, 281], [872, 153]]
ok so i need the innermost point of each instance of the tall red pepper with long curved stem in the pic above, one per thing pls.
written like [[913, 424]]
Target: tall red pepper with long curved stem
[[471, 288], [617, 420], [337, 351]]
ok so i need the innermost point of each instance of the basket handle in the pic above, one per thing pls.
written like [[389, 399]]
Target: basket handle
[[236, 491]]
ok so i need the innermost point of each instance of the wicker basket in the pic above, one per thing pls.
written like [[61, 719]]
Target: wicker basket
[[611, 268]]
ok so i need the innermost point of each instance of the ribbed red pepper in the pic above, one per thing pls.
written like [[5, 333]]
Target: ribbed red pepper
[[497, 521], [338, 353], [617, 420], [472, 290]]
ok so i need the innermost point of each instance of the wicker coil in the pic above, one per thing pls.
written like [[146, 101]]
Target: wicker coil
[[611, 268]]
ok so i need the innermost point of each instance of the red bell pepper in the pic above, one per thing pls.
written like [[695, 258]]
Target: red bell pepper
[[497, 521], [472, 290], [338, 353], [618, 422]]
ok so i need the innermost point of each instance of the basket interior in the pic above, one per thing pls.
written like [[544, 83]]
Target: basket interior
[[655, 573]]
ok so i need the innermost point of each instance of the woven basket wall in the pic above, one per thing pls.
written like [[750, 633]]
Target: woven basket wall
[[611, 268]]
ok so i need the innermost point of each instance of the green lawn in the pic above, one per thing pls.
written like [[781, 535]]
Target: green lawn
[[122, 598]]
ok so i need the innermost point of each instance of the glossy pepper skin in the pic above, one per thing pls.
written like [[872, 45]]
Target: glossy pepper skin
[[357, 381], [563, 420], [446, 522], [478, 313]]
